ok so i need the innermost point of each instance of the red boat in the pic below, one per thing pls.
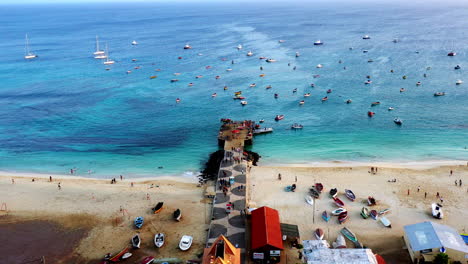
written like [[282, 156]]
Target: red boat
[[319, 187], [279, 117], [371, 201], [120, 255], [374, 214], [147, 260], [370, 114], [343, 217], [325, 99], [338, 202]]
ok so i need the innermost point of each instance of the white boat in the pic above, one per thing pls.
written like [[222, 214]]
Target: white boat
[[185, 242], [459, 82], [366, 37], [263, 130], [239, 47], [339, 211], [243, 102], [319, 66], [385, 221], [136, 241], [297, 126], [281, 41], [250, 53], [108, 61], [270, 60], [318, 42], [437, 211], [187, 46], [309, 199], [319, 234], [159, 240], [98, 51], [340, 242], [306, 94], [398, 121], [29, 55], [298, 54], [391, 108], [134, 42]]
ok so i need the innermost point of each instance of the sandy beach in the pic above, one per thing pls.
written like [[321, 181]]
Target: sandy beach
[[267, 190], [94, 217]]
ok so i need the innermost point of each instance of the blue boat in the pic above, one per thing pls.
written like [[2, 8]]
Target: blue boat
[[138, 222]]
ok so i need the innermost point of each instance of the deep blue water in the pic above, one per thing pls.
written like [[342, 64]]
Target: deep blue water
[[64, 110]]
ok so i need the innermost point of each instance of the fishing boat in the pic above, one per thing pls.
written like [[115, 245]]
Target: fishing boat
[[370, 60], [375, 103], [187, 46], [418, 83], [391, 108], [439, 94], [270, 60], [384, 220], [250, 54], [306, 94], [147, 260], [108, 61], [366, 37], [153, 77], [159, 240], [338, 202], [319, 66], [324, 98], [185, 242], [214, 94], [252, 85], [371, 201], [319, 234], [326, 216], [279, 117], [402, 90], [174, 80], [158, 207], [281, 41], [318, 43], [263, 130], [136, 241], [350, 195], [314, 193], [329, 91], [343, 217], [297, 54], [243, 102], [338, 211], [138, 222], [340, 242], [368, 82], [365, 212], [177, 215], [457, 67], [451, 54], [437, 211], [458, 82], [349, 101], [261, 121], [134, 43], [123, 254], [384, 211], [374, 214], [29, 55], [398, 121], [370, 113], [177, 100], [301, 102], [297, 126], [333, 192], [239, 47], [309, 199], [276, 96], [349, 235], [319, 187], [238, 97]]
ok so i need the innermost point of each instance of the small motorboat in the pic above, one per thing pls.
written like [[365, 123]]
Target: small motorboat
[[297, 54], [418, 83], [281, 41], [319, 187], [319, 234], [270, 60], [329, 91], [318, 43], [243, 102], [268, 87], [134, 42], [262, 75], [349, 235], [371, 201], [398, 121], [261, 120], [395, 40], [366, 37], [123, 254], [350, 195], [326, 216], [177, 100], [306, 94], [261, 58], [457, 67], [325, 99], [451, 54], [338, 211], [301, 102], [338, 202], [198, 76], [370, 60], [368, 82], [375, 103], [402, 90], [177, 215], [138, 222], [136, 241], [276, 96], [391, 108], [239, 47], [147, 260], [437, 211], [370, 113], [312, 85], [153, 77], [343, 217], [333, 192], [309, 199], [294, 90], [229, 69], [174, 80], [314, 193], [279, 117], [384, 211], [365, 51], [349, 101], [374, 214], [386, 222], [187, 46], [185, 242], [252, 85], [365, 212], [297, 126], [214, 95], [159, 240], [250, 54], [319, 66], [158, 208], [217, 77], [340, 242], [439, 94], [458, 82]]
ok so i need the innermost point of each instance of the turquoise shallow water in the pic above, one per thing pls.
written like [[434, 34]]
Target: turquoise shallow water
[[64, 110]]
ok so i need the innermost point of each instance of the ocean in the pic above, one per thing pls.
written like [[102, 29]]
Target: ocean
[[64, 110]]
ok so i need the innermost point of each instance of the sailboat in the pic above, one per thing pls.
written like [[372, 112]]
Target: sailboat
[[108, 61], [29, 55], [98, 52]]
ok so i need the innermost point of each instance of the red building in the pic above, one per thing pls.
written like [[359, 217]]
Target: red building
[[266, 237]]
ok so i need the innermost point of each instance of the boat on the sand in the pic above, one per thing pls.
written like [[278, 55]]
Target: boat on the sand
[[437, 211], [319, 187], [138, 222], [374, 214], [159, 240], [319, 234], [333, 192], [314, 193], [386, 222], [123, 254], [365, 212], [349, 235], [325, 216], [147, 260], [340, 242], [177, 215], [309, 199], [338, 211], [338, 202], [158, 208], [343, 217], [384, 211], [185, 242], [371, 201], [350, 195], [136, 241]]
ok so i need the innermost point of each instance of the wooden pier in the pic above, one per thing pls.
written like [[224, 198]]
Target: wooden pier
[[235, 134]]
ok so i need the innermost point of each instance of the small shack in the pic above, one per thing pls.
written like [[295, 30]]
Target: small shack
[[425, 240], [266, 240]]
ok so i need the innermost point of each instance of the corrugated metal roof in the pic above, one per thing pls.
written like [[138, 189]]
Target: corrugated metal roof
[[266, 228]]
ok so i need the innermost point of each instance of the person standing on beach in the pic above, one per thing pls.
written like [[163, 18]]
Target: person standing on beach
[[408, 192], [295, 178], [456, 183], [419, 188], [279, 176], [121, 177], [50, 178], [425, 195], [59, 186], [451, 172], [460, 182], [12, 181]]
